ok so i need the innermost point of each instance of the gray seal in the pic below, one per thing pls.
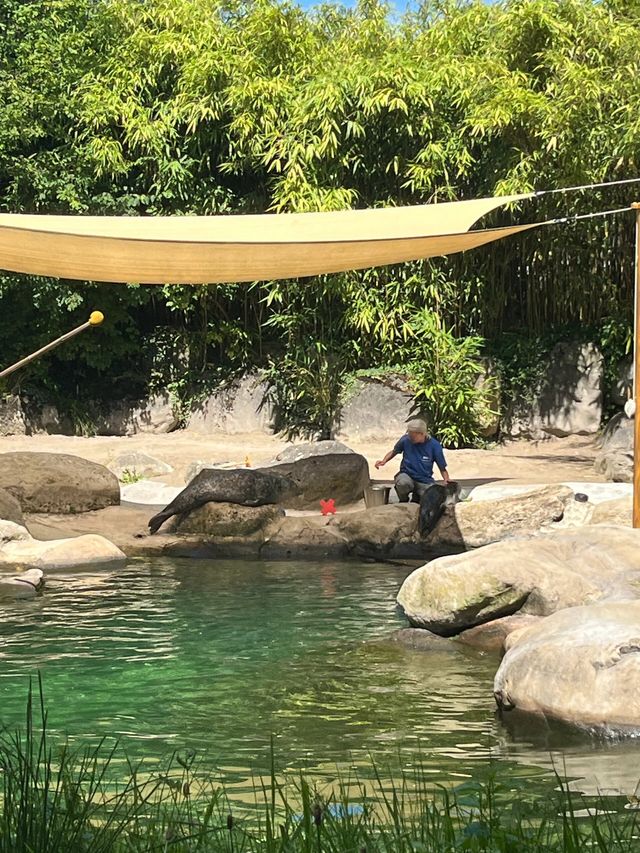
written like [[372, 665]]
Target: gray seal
[[238, 486]]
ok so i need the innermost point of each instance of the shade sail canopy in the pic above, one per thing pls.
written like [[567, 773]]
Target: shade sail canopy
[[235, 248]]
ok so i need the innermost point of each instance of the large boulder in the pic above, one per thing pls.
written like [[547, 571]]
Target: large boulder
[[581, 666], [237, 407], [568, 400], [244, 486], [10, 509], [376, 408], [18, 549], [296, 452], [615, 457], [382, 531], [536, 575], [12, 421], [307, 537], [57, 482], [472, 524], [341, 476], [226, 519]]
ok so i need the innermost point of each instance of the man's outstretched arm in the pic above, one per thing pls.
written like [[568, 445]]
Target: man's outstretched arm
[[386, 458]]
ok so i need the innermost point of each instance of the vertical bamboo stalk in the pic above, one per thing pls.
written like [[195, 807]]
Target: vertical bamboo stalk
[[636, 377]]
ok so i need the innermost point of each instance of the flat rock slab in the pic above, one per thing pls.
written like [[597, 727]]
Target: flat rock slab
[[149, 493], [472, 524], [57, 482], [137, 464], [581, 666], [534, 575], [19, 550]]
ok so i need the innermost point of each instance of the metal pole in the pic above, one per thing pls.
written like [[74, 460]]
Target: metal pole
[[94, 320], [636, 376]]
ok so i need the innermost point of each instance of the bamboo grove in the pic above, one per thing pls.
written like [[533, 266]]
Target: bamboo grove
[[222, 106]]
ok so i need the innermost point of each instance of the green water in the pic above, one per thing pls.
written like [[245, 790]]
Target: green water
[[223, 656]]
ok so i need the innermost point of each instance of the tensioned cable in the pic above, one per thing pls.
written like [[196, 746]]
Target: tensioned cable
[[588, 186], [566, 219]]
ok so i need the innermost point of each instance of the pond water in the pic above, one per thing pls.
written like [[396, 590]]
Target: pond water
[[228, 657]]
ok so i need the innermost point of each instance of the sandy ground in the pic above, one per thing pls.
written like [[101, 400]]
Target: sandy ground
[[552, 461]]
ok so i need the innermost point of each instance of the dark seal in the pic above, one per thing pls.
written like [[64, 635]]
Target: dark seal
[[238, 486], [433, 502]]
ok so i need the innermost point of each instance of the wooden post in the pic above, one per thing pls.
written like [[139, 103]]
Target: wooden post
[[636, 376], [94, 320]]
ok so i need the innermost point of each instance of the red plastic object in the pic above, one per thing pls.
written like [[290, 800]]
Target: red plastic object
[[328, 507]]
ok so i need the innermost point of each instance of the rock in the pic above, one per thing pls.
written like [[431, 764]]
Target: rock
[[615, 459], [581, 666], [296, 452], [19, 549], [304, 537], [377, 408], [382, 531], [568, 400], [472, 524], [46, 418], [237, 407], [12, 532], [341, 476], [199, 465], [535, 575], [618, 512], [154, 415], [421, 640], [138, 465], [577, 512], [10, 508], [12, 420], [243, 486], [149, 493], [491, 636], [57, 482], [225, 519], [24, 585]]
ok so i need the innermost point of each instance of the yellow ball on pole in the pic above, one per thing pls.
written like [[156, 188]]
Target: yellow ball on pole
[[96, 318]]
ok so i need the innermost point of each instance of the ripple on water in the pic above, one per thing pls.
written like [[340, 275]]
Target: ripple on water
[[220, 656]]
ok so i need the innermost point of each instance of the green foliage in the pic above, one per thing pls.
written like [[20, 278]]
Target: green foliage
[[130, 476], [63, 800], [445, 372], [208, 106]]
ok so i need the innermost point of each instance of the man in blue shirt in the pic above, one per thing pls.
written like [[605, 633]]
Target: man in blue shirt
[[419, 451]]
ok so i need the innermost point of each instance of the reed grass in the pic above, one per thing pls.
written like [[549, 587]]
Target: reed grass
[[63, 800]]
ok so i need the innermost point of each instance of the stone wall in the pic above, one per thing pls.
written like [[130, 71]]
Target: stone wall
[[568, 400]]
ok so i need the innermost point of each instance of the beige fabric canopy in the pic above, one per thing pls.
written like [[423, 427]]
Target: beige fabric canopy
[[234, 248]]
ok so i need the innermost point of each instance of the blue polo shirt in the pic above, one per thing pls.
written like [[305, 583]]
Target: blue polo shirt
[[418, 459]]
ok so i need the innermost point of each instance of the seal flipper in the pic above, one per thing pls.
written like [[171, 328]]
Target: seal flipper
[[158, 520]]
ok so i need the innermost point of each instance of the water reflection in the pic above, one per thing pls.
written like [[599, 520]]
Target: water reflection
[[220, 656]]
